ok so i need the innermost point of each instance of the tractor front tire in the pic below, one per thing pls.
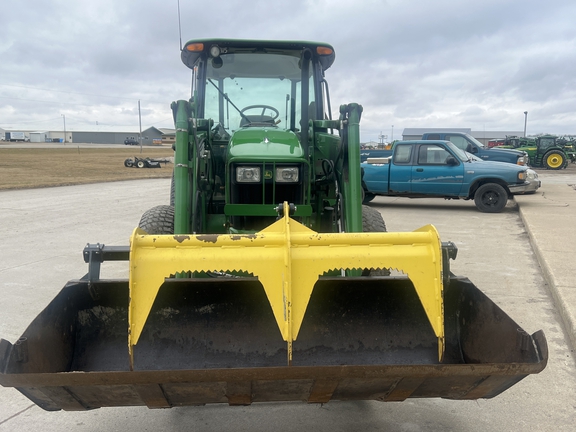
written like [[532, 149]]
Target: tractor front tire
[[372, 221], [554, 160], [140, 164], [128, 163], [158, 220], [490, 198]]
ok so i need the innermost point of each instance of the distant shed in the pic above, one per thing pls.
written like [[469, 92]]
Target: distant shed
[[39, 136]]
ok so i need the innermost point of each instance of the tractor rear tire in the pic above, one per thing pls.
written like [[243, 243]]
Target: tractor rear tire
[[372, 221], [490, 198], [554, 160], [158, 220], [140, 164]]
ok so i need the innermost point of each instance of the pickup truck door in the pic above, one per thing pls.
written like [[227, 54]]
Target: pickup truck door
[[400, 172], [432, 175]]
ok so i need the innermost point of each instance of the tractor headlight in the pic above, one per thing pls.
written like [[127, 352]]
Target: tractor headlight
[[248, 174], [287, 175]]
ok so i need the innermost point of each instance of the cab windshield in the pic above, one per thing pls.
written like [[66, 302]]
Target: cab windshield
[[461, 154], [475, 141], [254, 89]]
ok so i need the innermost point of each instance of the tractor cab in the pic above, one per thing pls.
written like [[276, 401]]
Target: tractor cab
[[253, 102], [241, 85]]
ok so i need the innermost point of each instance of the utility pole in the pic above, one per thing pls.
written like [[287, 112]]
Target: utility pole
[[140, 123], [64, 117], [525, 121], [392, 136]]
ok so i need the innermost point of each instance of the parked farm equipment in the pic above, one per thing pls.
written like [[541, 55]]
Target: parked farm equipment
[[266, 280], [145, 162], [546, 151], [496, 142]]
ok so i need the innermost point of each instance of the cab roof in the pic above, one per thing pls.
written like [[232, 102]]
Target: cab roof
[[197, 48]]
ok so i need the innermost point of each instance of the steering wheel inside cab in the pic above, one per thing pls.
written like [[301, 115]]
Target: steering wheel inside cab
[[262, 119]]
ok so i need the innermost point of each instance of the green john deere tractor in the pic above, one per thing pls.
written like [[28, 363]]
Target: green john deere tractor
[[546, 151], [265, 279]]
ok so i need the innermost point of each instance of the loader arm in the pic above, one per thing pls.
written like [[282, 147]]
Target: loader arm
[[351, 172], [182, 210]]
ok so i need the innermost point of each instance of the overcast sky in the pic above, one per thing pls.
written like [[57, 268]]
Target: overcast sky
[[410, 63]]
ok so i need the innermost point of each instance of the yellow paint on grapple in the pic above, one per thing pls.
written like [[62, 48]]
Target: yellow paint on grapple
[[287, 258]]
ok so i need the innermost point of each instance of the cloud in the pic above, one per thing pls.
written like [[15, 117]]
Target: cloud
[[416, 63]]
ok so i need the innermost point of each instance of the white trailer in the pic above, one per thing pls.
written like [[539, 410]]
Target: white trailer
[[15, 136]]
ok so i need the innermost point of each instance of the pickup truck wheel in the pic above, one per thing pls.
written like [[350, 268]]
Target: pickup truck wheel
[[372, 221], [367, 196], [554, 160], [490, 198], [158, 220]]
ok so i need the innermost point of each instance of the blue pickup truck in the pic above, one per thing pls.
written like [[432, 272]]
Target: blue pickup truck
[[470, 144], [425, 169], [464, 142]]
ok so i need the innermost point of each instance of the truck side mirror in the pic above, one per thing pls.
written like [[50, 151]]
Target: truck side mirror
[[471, 149], [451, 160]]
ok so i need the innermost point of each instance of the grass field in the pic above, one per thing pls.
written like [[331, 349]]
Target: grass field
[[23, 168]]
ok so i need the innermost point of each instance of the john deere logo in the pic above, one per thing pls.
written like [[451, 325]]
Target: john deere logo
[[267, 175]]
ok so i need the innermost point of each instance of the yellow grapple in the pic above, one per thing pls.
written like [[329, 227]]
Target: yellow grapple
[[287, 258]]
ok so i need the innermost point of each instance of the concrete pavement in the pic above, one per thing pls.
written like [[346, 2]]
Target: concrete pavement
[[44, 230], [548, 217]]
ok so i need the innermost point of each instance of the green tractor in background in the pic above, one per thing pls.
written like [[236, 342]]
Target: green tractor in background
[[545, 151]]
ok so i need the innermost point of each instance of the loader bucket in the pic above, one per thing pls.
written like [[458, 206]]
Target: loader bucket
[[217, 341]]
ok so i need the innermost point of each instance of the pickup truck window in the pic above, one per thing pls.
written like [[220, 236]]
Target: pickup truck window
[[462, 141], [432, 154], [402, 154], [459, 141]]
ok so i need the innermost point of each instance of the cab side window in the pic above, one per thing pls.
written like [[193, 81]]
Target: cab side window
[[432, 154], [458, 141], [402, 154]]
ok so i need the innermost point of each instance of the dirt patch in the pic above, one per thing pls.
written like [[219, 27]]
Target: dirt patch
[[23, 168]]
